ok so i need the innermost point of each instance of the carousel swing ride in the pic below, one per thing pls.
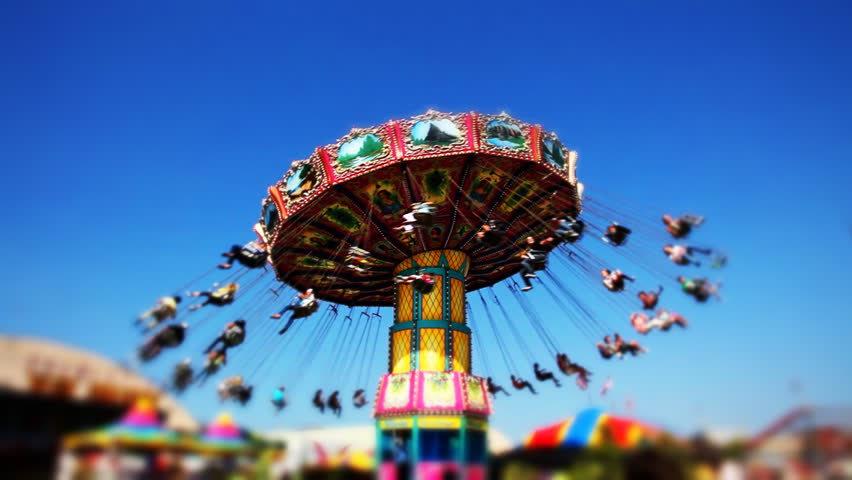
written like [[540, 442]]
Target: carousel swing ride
[[426, 215]]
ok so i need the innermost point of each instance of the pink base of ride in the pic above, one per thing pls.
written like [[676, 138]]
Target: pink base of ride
[[416, 392], [433, 471]]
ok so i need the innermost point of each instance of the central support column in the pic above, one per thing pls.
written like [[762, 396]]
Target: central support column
[[431, 412]]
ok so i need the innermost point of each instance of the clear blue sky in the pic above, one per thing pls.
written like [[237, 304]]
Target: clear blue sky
[[139, 138]]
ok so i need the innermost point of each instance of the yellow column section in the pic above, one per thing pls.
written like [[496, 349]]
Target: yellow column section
[[432, 314]]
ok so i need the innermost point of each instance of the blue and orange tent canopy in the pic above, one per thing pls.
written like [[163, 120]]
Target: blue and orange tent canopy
[[591, 428]]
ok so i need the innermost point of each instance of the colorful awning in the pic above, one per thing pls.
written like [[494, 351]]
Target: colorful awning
[[222, 435], [591, 428], [139, 428]]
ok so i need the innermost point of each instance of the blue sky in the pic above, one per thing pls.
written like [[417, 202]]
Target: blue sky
[[138, 141]]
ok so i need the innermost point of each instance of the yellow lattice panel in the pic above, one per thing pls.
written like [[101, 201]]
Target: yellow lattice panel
[[457, 300], [466, 267], [405, 302], [432, 304], [405, 265], [401, 351], [432, 351], [455, 258], [428, 259], [461, 351]]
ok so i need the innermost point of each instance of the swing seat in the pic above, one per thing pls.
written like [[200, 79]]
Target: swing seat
[[234, 339], [222, 300], [303, 311], [148, 352], [691, 220], [252, 260], [424, 218], [538, 266]]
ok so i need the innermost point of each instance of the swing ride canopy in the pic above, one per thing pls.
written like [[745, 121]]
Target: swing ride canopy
[[474, 168]]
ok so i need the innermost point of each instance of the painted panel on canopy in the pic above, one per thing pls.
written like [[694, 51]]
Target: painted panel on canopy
[[434, 235], [300, 180], [519, 194], [270, 218], [480, 186], [303, 182], [343, 216], [385, 248], [381, 195], [410, 241], [435, 185], [553, 152], [505, 136], [434, 134], [327, 280], [532, 201], [435, 179], [436, 131], [316, 239], [461, 231], [486, 179], [386, 198], [360, 152], [312, 262]]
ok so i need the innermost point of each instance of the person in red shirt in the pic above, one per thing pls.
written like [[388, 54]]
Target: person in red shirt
[[521, 384], [681, 226], [650, 299]]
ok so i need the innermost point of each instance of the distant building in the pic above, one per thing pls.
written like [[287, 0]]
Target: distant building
[[48, 390]]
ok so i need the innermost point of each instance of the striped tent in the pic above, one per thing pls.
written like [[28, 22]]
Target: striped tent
[[591, 428], [140, 428], [222, 436]]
